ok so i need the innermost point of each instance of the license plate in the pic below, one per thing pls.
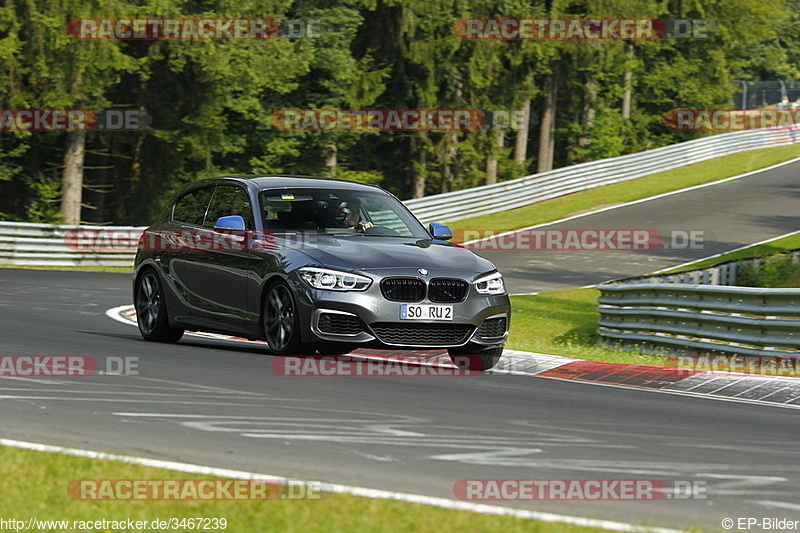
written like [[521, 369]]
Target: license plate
[[426, 312]]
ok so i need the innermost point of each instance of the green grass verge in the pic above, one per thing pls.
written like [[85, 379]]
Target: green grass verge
[[565, 323], [36, 486], [777, 245], [671, 180]]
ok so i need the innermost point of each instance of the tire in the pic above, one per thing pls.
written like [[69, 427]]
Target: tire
[[471, 358], [151, 310], [279, 320]]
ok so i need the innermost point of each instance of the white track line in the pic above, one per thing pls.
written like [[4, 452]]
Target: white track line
[[634, 202], [337, 489], [375, 493]]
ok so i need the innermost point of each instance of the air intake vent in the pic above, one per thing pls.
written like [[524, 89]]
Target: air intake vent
[[338, 324], [422, 334], [492, 328]]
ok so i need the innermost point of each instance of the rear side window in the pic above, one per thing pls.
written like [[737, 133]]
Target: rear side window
[[191, 207], [229, 200]]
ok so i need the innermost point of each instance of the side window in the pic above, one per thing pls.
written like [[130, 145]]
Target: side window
[[191, 207], [229, 200]]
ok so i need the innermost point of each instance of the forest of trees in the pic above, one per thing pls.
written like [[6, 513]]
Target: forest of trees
[[211, 101]]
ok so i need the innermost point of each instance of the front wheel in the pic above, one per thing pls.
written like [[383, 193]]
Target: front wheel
[[470, 358], [151, 310], [281, 329]]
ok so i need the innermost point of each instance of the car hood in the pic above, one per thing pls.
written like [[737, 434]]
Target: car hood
[[365, 252]]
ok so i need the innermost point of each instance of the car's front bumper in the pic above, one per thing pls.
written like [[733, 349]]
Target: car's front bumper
[[381, 324]]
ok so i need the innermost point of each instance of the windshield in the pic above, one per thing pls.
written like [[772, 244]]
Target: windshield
[[337, 212]]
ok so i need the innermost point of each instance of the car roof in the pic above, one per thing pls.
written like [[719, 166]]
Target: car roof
[[264, 182]]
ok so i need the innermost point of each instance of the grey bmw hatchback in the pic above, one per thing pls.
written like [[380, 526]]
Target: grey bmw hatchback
[[313, 265]]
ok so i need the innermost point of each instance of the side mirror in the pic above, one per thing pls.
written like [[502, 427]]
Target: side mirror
[[230, 222], [440, 231]]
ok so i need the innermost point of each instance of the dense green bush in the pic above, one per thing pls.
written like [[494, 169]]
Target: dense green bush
[[776, 271]]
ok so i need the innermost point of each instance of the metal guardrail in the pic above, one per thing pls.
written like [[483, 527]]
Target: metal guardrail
[[25, 244], [679, 314], [60, 245], [535, 188]]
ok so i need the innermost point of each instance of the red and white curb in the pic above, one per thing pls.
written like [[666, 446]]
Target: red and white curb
[[777, 391]]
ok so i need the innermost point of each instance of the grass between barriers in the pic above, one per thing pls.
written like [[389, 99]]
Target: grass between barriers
[[777, 245], [607, 195], [35, 486], [564, 322]]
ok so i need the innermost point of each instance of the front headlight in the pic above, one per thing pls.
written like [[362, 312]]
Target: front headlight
[[491, 284], [334, 280]]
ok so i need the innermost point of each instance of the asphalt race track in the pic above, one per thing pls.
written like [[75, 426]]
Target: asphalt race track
[[727, 216], [219, 404]]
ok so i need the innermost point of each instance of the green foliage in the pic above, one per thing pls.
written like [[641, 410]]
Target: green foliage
[[211, 101], [9, 168], [43, 206], [373, 178], [776, 271]]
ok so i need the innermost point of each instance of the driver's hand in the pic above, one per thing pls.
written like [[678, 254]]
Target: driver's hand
[[364, 226]]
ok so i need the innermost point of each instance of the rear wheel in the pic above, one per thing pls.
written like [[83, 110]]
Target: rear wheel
[[151, 310], [472, 358], [280, 322]]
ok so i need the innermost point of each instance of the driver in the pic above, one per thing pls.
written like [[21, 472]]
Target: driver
[[348, 214]]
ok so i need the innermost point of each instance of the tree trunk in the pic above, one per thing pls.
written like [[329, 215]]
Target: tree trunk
[[331, 159], [418, 176], [589, 112], [72, 177], [100, 183], [447, 176], [547, 126], [491, 161], [136, 158], [521, 142], [627, 96], [451, 151]]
